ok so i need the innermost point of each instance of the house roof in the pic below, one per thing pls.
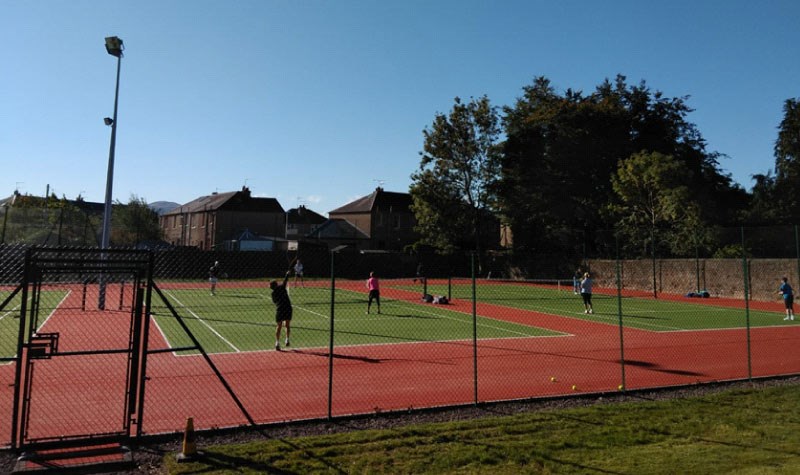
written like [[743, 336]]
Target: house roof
[[377, 199], [303, 215], [231, 201], [85, 206], [337, 229], [248, 235]]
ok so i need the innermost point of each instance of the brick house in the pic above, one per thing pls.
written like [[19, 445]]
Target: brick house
[[209, 221], [381, 220]]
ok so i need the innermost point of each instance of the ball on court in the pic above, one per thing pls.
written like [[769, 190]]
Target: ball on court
[[620, 387], [574, 387], [553, 379]]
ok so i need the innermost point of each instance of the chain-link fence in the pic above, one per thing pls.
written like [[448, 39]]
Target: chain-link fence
[[154, 337], [64, 225]]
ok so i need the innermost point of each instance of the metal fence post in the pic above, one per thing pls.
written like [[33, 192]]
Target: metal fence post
[[746, 274], [653, 252], [619, 316], [797, 252], [474, 329], [330, 336]]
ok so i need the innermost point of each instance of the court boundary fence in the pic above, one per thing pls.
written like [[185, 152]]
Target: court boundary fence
[[130, 277]]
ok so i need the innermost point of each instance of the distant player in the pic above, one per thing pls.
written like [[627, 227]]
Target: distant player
[[788, 298], [283, 310], [576, 281], [213, 277], [586, 292], [298, 273], [374, 288]]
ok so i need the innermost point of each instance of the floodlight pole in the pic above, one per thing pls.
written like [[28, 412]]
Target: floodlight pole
[[114, 47]]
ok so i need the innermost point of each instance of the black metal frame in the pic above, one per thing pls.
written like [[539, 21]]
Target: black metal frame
[[33, 347]]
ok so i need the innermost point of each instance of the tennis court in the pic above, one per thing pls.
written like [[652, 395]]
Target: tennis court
[[241, 318], [515, 340]]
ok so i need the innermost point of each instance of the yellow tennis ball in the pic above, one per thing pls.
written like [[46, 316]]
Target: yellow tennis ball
[[574, 387], [620, 387], [552, 378]]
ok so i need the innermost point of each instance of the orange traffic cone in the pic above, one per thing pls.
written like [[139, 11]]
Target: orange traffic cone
[[189, 449]]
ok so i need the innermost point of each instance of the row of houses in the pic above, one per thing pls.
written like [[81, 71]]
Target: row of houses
[[380, 221]]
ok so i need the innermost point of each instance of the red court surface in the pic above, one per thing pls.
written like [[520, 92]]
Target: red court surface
[[85, 394]]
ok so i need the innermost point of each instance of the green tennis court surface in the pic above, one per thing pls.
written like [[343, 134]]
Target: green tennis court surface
[[641, 313], [244, 320], [49, 301]]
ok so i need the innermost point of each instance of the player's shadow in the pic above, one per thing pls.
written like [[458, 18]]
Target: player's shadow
[[655, 367], [643, 317], [415, 317], [325, 354], [243, 296]]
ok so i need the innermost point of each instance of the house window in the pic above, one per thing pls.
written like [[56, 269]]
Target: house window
[[397, 222]]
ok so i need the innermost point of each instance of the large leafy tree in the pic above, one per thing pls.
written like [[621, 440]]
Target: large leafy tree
[[787, 163], [134, 222], [654, 202], [452, 191], [562, 149], [787, 146]]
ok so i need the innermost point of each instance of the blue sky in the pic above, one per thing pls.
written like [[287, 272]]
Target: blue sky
[[318, 102]]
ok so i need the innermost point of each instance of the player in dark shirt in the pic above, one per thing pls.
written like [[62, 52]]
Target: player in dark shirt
[[283, 309]]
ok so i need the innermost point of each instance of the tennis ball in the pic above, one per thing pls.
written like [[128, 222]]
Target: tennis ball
[[553, 379], [574, 387], [620, 387]]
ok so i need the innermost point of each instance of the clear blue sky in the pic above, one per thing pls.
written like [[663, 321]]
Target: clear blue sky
[[318, 102]]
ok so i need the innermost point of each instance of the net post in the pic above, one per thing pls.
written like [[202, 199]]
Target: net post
[[449, 287], [121, 293]]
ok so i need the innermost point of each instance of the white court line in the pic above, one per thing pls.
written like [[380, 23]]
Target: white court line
[[54, 310], [9, 312], [237, 350]]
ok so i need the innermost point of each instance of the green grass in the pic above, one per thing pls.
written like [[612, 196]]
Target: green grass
[[9, 317], [641, 313], [737, 431], [244, 320]]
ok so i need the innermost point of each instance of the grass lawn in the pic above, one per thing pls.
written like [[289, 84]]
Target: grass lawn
[[736, 431]]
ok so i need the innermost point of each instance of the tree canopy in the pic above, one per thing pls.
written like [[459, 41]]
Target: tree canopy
[[562, 150], [452, 190], [562, 167]]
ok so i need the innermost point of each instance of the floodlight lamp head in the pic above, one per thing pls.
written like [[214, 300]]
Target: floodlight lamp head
[[108, 121], [114, 46]]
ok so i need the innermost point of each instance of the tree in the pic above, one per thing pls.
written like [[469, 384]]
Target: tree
[[654, 200], [787, 146], [787, 163], [453, 188], [134, 222], [562, 149]]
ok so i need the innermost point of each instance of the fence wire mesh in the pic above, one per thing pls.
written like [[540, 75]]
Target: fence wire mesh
[[444, 330]]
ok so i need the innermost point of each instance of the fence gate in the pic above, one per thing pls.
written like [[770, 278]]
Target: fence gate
[[81, 336]]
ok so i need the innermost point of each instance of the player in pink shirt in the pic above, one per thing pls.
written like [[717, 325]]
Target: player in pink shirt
[[374, 288]]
